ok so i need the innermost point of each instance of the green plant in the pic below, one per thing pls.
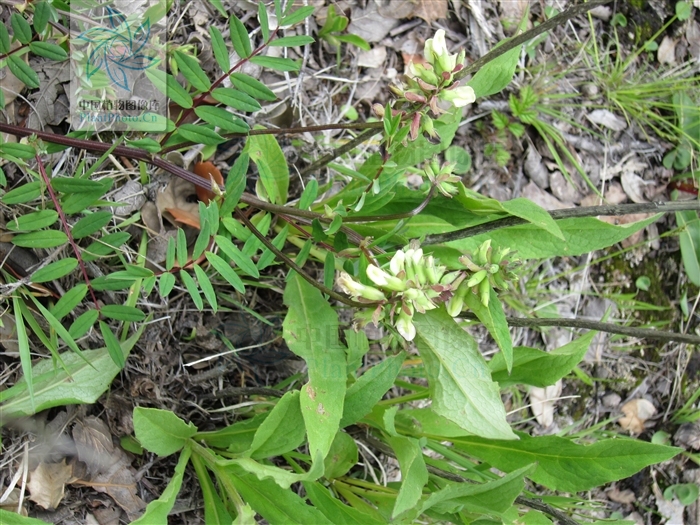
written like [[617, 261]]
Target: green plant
[[366, 234]]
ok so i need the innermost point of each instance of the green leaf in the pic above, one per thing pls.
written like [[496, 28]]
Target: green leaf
[[161, 431], [206, 287], [311, 332], [90, 224], [83, 323], [253, 87], [534, 214], [40, 239], [21, 28], [354, 40], [105, 245], [276, 63], [192, 289], [689, 238], [23, 72], [281, 432], [69, 301], [494, 319], [215, 512], [277, 505], [112, 344], [222, 118], [683, 10], [495, 75], [12, 518], [292, 41], [297, 16], [48, 50], [309, 194], [225, 271], [239, 37], [69, 185], [369, 389], [342, 456], [236, 99], [28, 373], [200, 135], [235, 186], [494, 497], [157, 511], [581, 235], [537, 368], [192, 71], [90, 376], [414, 473], [219, 47], [335, 510], [4, 39], [267, 257], [147, 144], [25, 193], [264, 21], [21, 151], [181, 247], [166, 282], [33, 221], [54, 270], [459, 378], [241, 260], [42, 14], [265, 152], [170, 87], [122, 313], [558, 458]]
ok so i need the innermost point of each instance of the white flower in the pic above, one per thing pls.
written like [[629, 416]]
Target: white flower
[[384, 279], [397, 262], [404, 324], [351, 287], [459, 96], [435, 52]]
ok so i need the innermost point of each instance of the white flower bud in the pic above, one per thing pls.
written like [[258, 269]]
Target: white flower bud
[[384, 279], [459, 96]]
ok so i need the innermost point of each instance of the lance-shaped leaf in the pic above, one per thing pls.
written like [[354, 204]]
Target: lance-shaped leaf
[[459, 378]]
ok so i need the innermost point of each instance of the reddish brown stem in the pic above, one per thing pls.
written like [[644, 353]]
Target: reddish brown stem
[[66, 228]]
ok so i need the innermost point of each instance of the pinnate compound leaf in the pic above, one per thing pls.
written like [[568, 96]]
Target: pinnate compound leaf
[[53, 387], [311, 331], [157, 510], [161, 431], [459, 378], [334, 509], [277, 505], [537, 368], [492, 497], [192, 71], [253, 87], [494, 319], [414, 473], [564, 465], [267, 155], [364, 393]]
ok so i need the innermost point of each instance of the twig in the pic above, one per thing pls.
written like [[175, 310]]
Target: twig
[[568, 213], [646, 333], [370, 440], [245, 391], [323, 161]]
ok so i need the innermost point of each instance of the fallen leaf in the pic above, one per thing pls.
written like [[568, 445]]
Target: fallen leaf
[[375, 57], [11, 502], [672, 511], [8, 334], [636, 412], [431, 10], [369, 24], [688, 436], [512, 13], [47, 483], [207, 171], [542, 403], [620, 496], [666, 53], [606, 118], [179, 195], [634, 186]]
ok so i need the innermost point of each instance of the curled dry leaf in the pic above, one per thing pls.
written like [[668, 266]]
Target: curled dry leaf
[[636, 412], [542, 403], [47, 483], [178, 203], [208, 171]]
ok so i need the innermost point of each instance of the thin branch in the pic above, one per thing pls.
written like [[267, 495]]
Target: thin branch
[[514, 42], [568, 213], [371, 441], [342, 150], [646, 333]]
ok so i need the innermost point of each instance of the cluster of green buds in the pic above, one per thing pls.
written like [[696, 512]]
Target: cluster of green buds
[[411, 283], [442, 178], [431, 81], [489, 269]]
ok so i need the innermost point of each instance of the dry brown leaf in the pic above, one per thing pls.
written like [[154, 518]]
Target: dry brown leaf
[[621, 496], [666, 53], [207, 171], [688, 436], [512, 13], [606, 118], [542, 403], [370, 24], [178, 195], [431, 10], [636, 412], [11, 502], [108, 466], [48, 482]]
